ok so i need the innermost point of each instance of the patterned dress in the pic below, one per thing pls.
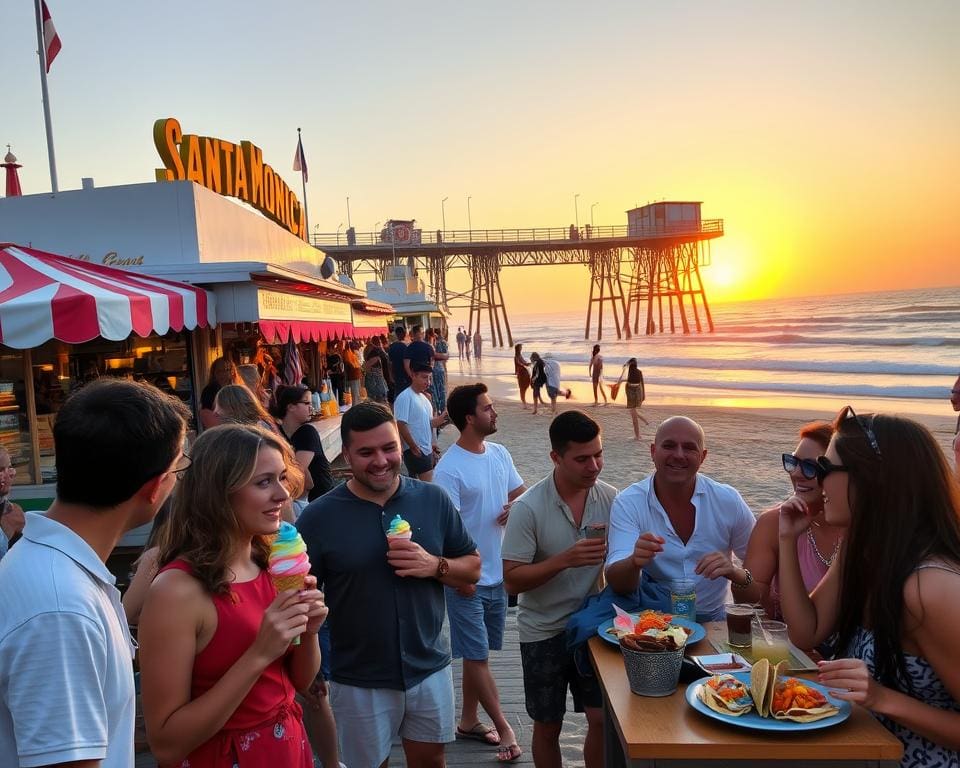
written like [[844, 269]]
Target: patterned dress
[[918, 752], [438, 385]]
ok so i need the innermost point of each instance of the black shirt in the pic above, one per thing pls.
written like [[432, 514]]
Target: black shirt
[[385, 631], [396, 353], [306, 438], [208, 395], [418, 352]]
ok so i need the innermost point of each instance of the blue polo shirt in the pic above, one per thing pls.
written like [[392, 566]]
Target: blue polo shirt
[[385, 631], [396, 353]]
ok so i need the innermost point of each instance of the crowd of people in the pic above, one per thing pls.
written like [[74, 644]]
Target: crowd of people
[[862, 561]]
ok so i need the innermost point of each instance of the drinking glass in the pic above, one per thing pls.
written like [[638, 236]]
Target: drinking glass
[[770, 640], [683, 598], [739, 618]]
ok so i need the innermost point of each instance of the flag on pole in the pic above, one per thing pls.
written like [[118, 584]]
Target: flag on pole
[[300, 160], [51, 40], [292, 365]]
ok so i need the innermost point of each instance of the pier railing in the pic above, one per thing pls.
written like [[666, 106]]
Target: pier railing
[[403, 236]]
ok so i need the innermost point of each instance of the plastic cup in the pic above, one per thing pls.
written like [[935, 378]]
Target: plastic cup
[[683, 598], [770, 640], [739, 619]]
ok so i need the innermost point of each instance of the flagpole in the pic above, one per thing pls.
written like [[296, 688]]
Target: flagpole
[[42, 54], [303, 181]]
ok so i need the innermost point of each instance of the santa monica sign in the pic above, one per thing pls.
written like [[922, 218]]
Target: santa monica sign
[[227, 168]]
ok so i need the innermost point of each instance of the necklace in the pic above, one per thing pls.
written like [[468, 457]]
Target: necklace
[[816, 550]]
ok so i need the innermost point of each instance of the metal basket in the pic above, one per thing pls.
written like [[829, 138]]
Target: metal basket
[[652, 673]]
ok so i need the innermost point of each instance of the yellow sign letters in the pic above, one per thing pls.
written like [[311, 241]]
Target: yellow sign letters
[[230, 169]]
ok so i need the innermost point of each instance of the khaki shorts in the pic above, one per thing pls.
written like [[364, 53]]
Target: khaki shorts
[[369, 719]]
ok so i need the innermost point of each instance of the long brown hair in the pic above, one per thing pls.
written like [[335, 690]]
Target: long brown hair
[[240, 406], [203, 528], [904, 510]]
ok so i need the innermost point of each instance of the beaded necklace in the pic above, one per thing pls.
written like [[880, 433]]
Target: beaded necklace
[[816, 550]]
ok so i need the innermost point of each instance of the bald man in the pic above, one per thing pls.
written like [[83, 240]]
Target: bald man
[[677, 523]]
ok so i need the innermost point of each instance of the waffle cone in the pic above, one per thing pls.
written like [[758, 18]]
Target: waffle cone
[[283, 583]]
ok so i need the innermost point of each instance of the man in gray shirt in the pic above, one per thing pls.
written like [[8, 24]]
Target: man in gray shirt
[[553, 554]]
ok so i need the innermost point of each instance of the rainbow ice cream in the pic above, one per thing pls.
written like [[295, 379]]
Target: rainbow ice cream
[[399, 529], [288, 564]]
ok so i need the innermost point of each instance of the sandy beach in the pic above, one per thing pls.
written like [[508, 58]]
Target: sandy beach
[[744, 444]]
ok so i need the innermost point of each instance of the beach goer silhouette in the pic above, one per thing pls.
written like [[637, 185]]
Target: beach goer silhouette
[[523, 375], [551, 369], [595, 369], [538, 380], [636, 393]]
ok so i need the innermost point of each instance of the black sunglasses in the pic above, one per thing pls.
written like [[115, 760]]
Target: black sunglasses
[[826, 467], [808, 467], [866, 426]]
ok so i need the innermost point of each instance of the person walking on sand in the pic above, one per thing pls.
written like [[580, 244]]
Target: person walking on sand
[[636, 394], [477, 345], [523, 375], [553, 552], [596, 374], [482, 482], [538, 380], [461, 341], [551, 369]]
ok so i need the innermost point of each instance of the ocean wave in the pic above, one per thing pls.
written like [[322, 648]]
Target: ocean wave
[[859, 341], [843, 389], [926, 308]]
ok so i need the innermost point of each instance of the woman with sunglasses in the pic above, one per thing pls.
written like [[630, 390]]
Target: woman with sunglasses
[[891, 593], [756, 581], [219, 668]]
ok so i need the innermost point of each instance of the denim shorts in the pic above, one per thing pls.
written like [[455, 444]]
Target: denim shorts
[[476, 622], [548, 668]]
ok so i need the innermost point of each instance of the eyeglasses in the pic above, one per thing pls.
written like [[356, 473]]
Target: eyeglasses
[[182, 465], [808, 467], [866, 426], [826, 467]]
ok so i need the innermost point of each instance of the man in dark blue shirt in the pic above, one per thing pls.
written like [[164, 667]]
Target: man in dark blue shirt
[[396, 351], [417, 351], [390, 662]]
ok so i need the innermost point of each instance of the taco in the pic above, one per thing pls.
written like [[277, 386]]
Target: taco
[[759, 686], [726, 695], [793, 699]]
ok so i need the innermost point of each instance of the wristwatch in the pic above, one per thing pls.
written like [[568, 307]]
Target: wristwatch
[[443, 567]]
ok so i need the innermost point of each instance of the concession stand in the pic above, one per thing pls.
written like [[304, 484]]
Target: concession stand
[[63, 323]]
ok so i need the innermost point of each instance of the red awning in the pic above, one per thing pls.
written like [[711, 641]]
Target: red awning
[[278, 331], [44, 296]]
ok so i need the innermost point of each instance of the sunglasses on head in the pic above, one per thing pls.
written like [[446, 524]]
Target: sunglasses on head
[[808, 467], [866, 427]]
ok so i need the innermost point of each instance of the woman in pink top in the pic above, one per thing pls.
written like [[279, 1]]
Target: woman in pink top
[[756, 580], [218, 670]]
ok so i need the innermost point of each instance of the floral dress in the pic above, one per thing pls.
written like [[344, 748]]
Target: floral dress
[[438, 384], [918, 752]]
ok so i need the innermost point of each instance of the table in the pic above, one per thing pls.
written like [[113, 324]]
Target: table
[[643, 732]]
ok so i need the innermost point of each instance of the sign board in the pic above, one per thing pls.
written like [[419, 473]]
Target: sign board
[[285, 306]]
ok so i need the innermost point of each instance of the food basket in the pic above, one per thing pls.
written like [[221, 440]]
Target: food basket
[[652, 673]]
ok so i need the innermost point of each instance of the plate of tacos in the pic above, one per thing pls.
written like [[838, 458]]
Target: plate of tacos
[[653, 622], [767, 699]]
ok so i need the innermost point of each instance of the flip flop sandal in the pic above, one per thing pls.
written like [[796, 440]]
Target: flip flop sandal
[[509, 754], [485, 734]]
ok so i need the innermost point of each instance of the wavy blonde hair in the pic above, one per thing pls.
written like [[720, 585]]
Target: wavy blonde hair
[[240, 406], [203, 528]]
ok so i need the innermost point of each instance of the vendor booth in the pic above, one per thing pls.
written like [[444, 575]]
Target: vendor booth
[[64, 323]]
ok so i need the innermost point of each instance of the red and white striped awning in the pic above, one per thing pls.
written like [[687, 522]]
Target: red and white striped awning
[[44, 296]]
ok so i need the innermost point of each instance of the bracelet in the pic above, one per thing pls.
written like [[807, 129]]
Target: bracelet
[[746, 584]]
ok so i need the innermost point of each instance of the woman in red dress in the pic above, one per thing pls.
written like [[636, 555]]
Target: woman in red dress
[[218, 670]]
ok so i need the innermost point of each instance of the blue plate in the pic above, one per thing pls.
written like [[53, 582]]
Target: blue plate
[[754, 721], [698, 632]]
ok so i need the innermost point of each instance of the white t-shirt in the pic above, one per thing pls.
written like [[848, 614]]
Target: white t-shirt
[[479, 485], [723, 523], [415, 411], [552, 370], [66, 656]]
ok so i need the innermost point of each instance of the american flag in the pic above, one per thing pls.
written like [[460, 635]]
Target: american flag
[[51, 40], [300, 160], [292, 365]]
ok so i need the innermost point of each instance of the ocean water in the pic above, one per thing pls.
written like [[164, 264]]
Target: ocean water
[[892, 351]]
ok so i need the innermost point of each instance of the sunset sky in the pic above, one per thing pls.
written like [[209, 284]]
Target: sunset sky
[[824, 134]]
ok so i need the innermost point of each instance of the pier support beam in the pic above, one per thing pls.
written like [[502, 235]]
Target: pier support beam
[[606, 287]]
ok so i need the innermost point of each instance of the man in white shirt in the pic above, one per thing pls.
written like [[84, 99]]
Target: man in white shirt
[[552, 370], [678, 524], [66, 656], [413, 410], [482, 481]]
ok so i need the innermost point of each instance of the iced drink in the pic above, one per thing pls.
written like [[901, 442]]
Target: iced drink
[[739, 618]]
